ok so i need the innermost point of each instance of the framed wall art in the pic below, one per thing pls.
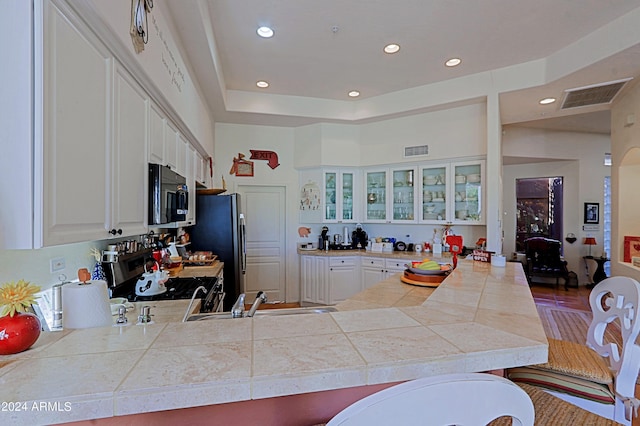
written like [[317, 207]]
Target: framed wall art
[[631, 248], [591, 213]]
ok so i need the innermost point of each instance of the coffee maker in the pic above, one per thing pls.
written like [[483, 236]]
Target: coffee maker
[[323, 239], [359, 237]]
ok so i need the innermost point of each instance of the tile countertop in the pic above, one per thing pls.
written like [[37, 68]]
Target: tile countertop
[[480, 318]]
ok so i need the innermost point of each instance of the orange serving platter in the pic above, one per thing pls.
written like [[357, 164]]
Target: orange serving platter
[[422, 280]]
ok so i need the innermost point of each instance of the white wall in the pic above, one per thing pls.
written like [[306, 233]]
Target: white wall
[[625, 142], [580, 161], [456, 132]]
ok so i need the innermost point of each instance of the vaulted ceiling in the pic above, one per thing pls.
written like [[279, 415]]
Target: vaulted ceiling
[[522, 50]]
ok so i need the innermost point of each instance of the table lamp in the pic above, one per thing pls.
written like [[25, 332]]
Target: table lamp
[[589, 241]]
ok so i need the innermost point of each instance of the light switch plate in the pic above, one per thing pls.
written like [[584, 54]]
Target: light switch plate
[[57, 264]]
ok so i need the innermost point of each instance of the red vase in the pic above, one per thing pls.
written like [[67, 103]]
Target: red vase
[[18, 333]]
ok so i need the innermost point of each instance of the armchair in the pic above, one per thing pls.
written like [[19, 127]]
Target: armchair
[[544, 260]]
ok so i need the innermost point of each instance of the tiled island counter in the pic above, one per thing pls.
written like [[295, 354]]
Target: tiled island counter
[[481, 318]]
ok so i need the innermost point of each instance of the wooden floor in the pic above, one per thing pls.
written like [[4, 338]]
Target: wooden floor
[[550, 295]]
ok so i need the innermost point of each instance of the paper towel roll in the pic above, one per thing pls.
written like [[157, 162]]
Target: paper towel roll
[[86, 305]]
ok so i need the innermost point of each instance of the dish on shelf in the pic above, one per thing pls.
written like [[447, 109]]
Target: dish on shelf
[[429, 180], [437, 200], [473, 178]]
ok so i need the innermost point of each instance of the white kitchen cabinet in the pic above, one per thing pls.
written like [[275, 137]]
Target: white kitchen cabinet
[[372, 271], [391, 195], [71, 198], [170, 145], [340, 196], [129, 168], [200, 169], [156, 135], [191, 185], [314, 279], [344, 278], [435, 194], [182, 153], [394, 266], [467, 198]]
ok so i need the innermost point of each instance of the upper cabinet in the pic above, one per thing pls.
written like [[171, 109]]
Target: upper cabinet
[[129, 165], [452, 193], [329, 196], [435, 193], [71, 187], [468, 178], [338, 196], [94, 129], [391, 195]]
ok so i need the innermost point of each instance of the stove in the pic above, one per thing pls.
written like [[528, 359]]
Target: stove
[[183, 288], [123, 274]]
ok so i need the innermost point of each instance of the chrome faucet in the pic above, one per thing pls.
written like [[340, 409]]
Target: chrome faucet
[[186, 314], [237, 311], [261, 297]]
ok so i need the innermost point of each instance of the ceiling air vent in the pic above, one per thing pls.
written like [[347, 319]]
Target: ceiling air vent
[[415, 151], [592, 95]]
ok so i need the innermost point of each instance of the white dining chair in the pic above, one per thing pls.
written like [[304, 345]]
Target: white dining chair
[[460, 399], [599, 377]]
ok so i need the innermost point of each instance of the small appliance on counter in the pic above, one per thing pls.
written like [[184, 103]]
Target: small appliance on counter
[[323, 239], [359, 238]]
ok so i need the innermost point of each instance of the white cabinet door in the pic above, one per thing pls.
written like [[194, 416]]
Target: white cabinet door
[[372, 271], [156, 135], [129, 171], [468, 178], [170, 145], [200, 169], [394, 266], [77, 74], [181, 155], [344, 278], [191, 185], [314, 278]]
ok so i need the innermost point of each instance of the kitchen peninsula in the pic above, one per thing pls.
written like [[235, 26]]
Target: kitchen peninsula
[[480, 318]]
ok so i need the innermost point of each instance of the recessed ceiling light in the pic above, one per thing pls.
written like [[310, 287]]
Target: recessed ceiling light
[[265, 32], [547, 101], [392, 48], [453, 62], [354, 94], [262, 84]]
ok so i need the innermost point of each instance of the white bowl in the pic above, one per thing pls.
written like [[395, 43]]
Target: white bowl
[[461, 178]]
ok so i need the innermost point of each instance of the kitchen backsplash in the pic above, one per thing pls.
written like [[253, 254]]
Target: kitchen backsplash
[[417, 233]]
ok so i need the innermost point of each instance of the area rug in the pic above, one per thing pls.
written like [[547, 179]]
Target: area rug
[[572, 325]]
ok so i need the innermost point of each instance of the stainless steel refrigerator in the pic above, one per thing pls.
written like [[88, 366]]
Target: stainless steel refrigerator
[[220, 228]]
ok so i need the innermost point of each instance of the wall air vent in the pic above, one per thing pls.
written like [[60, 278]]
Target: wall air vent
[[592, 95], [415, 151]]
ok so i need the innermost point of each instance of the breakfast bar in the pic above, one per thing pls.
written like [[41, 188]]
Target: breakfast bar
[[481, 318]]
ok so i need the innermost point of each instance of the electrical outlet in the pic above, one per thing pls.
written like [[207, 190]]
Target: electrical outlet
[[57, 264]]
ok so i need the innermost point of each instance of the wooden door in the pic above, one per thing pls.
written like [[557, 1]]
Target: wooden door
[[264, 211]]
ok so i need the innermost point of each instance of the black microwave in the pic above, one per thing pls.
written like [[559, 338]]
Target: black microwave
[[168, 196]]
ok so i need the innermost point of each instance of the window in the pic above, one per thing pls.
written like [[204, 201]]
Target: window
[[539, 209]]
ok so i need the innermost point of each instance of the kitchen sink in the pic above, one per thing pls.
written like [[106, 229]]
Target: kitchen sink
[[266, 312]]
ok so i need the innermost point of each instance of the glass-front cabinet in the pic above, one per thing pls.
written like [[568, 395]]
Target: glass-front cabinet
[[468, 178], [376, 193], [435, 195], [339, 205], [391, 195], [403, 206]]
